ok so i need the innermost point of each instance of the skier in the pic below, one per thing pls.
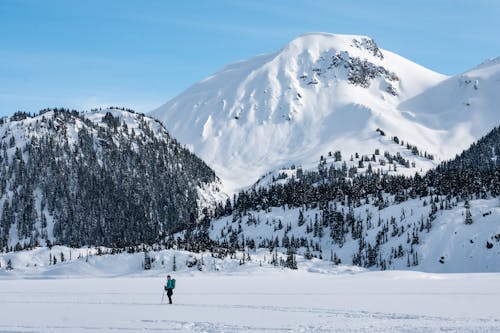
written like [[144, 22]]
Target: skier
[[169, 287]]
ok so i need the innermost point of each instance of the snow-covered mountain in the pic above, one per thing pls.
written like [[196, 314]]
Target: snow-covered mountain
[[107, 177], [325, 92], [320, 93]]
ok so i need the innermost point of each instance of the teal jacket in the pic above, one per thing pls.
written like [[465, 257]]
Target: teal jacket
[[171, 284]]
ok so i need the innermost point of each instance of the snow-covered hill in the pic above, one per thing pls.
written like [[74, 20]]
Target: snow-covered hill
[[321, 92], [446, 220], [402, 236], [107, 177]]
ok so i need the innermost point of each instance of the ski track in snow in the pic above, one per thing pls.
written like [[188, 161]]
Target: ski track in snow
[[341, 321], [215, 304]]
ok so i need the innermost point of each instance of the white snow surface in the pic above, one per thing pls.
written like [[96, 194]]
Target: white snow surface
[[112, 293], [265, 301]]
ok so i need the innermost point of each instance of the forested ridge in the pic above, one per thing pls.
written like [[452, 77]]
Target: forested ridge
[[316, 212], [113, 178]]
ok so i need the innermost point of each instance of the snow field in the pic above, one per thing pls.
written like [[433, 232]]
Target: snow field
[[265, 301], [110, 293]]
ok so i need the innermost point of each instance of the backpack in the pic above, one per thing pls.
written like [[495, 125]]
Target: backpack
[[172, 284]]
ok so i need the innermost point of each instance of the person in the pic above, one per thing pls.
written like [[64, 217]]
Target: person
[[169, 287]]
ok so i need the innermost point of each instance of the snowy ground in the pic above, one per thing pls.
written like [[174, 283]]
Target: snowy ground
[[267, 300]]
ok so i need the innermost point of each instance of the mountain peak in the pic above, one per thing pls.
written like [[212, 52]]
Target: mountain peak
[[340, 39], [320, 42], [319, 91]]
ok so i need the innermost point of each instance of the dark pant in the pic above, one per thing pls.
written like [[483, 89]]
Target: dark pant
[[170, 292]]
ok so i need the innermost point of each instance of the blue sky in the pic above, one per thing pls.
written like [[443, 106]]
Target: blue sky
[[139, 54]]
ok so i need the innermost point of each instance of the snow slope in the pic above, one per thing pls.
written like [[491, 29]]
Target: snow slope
[[87, 263], [464, 107], [449, 246], [321, 92]]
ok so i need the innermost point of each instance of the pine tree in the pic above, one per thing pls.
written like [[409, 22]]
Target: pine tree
[[468, 215], [291, 261], [147, 261], [301, 219]]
